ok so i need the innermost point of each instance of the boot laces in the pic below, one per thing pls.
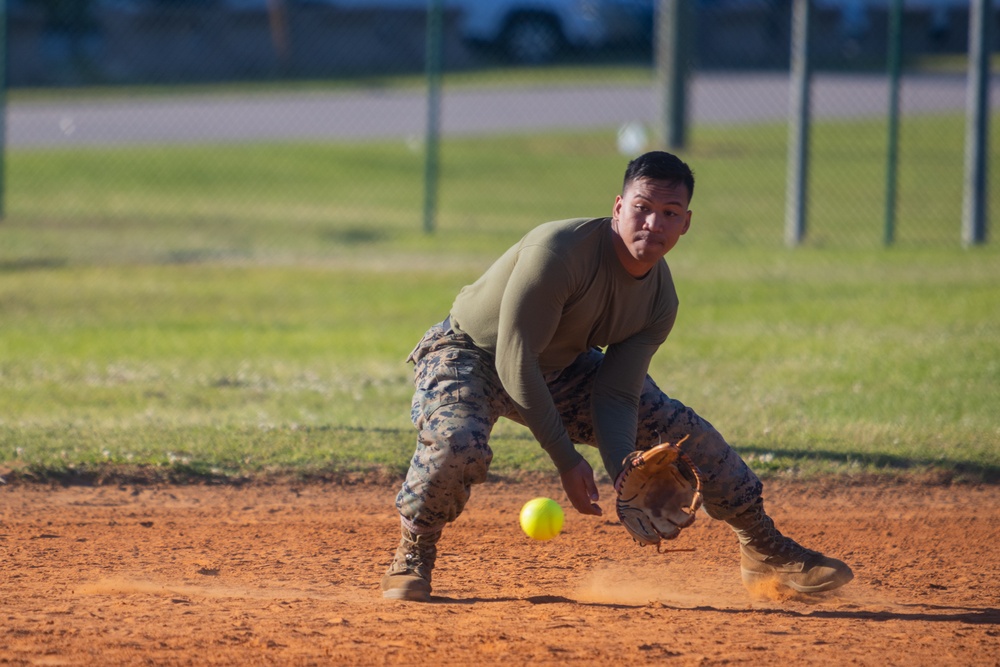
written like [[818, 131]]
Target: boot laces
[[414, 560], [778, 548], [418, 554]]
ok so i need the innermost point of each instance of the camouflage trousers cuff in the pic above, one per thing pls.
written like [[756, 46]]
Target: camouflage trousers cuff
[[415, 529]]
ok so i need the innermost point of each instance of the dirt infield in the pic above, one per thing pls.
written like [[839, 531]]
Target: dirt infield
[[283, 574]]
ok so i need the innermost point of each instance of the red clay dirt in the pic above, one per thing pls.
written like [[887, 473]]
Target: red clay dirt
[[288, 574]]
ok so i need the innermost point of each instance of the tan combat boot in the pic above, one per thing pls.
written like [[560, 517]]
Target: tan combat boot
[[767, 555], [409, 575]]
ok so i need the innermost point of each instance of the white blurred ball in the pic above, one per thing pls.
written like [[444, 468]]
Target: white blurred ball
[[414, 143], [632, 139]]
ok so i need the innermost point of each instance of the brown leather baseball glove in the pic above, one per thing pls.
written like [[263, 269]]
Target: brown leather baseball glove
[[659, 491]]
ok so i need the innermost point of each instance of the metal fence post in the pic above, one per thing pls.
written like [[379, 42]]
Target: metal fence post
[[798, 126], [672, 56], [892, 145], [3, 107], [432, 142], [977, 134]]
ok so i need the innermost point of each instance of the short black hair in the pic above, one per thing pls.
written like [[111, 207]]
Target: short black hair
[[660, 166]]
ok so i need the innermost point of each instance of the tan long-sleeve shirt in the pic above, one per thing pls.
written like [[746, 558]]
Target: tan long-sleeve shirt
[[557, 293]]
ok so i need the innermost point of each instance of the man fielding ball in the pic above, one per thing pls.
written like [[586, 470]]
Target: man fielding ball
[[525, 342]]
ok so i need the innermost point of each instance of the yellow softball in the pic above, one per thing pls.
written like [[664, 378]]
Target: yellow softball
[[541, 518]]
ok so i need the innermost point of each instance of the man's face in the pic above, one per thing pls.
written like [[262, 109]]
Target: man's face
[[649, 219]]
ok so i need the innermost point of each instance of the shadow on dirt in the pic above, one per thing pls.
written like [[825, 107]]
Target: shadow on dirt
[[930, 613], [947, 469]]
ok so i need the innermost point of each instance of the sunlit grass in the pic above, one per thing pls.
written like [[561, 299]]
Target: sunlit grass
[[246, 310]]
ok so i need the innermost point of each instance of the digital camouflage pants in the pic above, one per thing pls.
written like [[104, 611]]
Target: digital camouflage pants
[[458, 398]]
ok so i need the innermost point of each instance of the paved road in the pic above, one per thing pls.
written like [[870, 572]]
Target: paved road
[[366, 115]]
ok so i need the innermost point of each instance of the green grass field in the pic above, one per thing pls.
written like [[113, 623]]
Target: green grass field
[[242, 311]]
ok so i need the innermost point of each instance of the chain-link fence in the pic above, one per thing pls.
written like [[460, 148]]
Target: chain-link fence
[[234, 125]]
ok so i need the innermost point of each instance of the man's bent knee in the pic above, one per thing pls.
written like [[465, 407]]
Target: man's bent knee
[[445, 466]]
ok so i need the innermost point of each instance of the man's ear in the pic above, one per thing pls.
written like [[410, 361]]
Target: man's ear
[[617, 208], [687, 223]]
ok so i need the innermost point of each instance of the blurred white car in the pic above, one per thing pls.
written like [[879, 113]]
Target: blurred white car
[[533, 31]]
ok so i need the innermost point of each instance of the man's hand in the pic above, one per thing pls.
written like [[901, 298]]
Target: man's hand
[[581, 489]]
